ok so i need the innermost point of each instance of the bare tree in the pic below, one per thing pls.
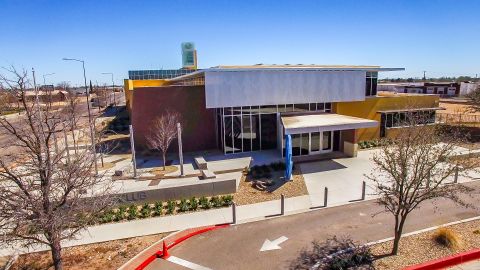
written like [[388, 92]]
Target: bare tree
[[72, 111], [416, 165], [45, 197], [474, 98], [162, 132]]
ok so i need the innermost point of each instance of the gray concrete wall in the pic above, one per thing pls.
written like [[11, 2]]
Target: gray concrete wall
[[206, 188]]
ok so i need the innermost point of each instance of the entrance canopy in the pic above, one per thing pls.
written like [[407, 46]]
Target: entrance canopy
[[324, 122]]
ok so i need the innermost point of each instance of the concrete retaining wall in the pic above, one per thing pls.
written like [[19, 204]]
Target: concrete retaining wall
[[200, 188]]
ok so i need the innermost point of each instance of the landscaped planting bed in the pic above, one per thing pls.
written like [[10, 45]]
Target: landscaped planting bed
[[106, 255], [275, 185], [426, 246], [160, 208]]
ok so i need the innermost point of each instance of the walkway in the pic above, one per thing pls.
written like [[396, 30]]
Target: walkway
[[474, 265]]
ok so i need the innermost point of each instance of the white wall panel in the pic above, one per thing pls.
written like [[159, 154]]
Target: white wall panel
[[245, 88]]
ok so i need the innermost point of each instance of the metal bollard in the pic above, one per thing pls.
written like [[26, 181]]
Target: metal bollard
[[455, 180], [364, 186], [325, 197], [282, 205], [234, 213]]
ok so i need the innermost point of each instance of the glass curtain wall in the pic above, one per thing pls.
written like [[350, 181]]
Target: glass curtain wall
[[253, 128]]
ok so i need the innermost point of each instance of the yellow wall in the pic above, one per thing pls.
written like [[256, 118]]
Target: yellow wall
[[130, 85], [369, 109]]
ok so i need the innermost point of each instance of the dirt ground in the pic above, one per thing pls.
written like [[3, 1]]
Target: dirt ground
[[422, 248], [107, 255], [455, 107], [246, 194]]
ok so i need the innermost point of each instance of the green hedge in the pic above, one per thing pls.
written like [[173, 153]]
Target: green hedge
[[159, 208], [372, 143]]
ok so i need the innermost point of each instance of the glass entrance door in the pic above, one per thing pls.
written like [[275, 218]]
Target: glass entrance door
[[321, 142]]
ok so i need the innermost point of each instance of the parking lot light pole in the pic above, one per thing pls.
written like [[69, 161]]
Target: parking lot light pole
[[92, 136]]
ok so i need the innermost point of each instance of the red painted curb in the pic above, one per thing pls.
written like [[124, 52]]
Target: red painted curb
[[447, 261], [175, 242]]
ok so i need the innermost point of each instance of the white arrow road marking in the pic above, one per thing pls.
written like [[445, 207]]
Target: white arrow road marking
[[186, 264], [271, 245]]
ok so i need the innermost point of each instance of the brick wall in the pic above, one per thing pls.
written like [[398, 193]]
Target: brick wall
[[189, 101]]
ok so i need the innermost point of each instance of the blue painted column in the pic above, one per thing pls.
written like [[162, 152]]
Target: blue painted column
[[288, 157]]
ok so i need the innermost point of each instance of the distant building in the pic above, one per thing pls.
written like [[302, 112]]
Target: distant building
[[446, 89], [468, 87]]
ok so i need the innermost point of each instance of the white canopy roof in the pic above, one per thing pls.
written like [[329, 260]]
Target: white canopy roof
[[324, 122]]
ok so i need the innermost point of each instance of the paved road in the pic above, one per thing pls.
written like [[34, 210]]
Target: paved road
[[238, 247]]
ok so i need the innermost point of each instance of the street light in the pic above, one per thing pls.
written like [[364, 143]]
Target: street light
[[113, 88], [92, 134]]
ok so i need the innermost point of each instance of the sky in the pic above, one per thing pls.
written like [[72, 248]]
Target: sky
[[438, 36]]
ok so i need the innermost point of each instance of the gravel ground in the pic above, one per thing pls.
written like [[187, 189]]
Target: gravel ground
[[422, 248], [246, 194], [107, 255]]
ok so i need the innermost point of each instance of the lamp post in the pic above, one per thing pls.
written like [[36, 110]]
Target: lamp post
[[92, 134], [113, 88]]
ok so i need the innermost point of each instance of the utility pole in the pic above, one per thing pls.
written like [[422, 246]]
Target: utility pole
[[424, 75]]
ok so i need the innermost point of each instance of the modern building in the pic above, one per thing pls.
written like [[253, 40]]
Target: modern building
[[238, 109]]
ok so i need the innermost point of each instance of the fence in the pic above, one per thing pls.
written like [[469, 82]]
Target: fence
[[457, 118]]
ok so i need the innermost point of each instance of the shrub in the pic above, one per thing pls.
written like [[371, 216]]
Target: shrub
[[107, 217], [120, 213], [193, 203], [183, 206], [170, 207], [447, 238], [278, 166], [158, 208], [335, 254], [205, 203], [132, 212], [146, 211], [216, 202], [265, 168], [267, 175], [227, 200]]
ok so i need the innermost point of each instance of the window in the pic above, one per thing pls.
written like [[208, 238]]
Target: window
[[328, 107], [371, 84], [327, 140], [301, 107], [406, 118]]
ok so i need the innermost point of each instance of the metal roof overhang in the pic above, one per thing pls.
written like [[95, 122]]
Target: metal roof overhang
[[293, 68], [412, 110], [324, 122]]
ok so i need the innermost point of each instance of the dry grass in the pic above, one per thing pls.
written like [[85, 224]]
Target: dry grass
[[107, 255], [160, 171], [447, 238], [423, 247], [246, 194]]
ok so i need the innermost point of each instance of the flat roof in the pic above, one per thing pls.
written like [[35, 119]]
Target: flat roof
[[286, 67], [413, 110], [324, 122]]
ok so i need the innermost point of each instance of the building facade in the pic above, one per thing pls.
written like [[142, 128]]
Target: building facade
[[444, 89], [238, 109]]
